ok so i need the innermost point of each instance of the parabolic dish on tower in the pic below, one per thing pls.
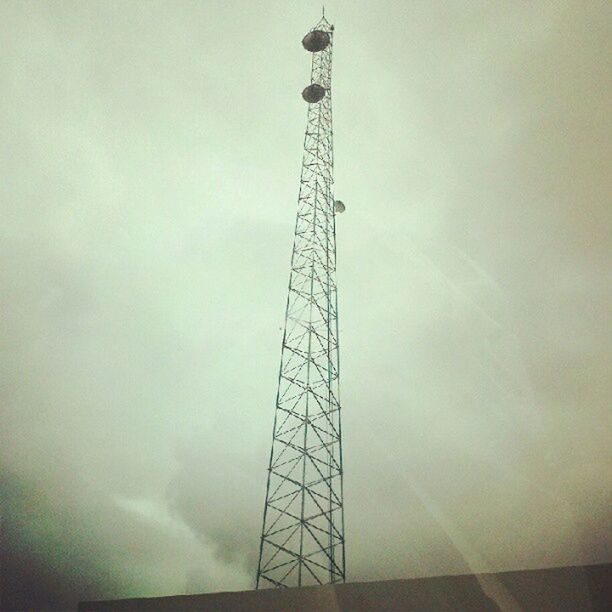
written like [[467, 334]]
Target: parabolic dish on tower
[[339, 206], [315, 41], [313, 93]]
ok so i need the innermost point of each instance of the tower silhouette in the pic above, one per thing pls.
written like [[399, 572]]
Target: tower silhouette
[[302, 539]]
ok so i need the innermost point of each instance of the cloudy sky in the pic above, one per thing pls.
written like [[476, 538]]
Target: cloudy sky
[[150, 156]]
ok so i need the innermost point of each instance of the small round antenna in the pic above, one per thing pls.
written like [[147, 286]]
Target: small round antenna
[[339, 206], [315, 41], [313, 93]]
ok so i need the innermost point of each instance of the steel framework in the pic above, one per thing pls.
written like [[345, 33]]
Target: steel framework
[[302, 540]]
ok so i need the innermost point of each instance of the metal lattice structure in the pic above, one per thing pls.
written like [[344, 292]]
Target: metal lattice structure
[[302, 539]]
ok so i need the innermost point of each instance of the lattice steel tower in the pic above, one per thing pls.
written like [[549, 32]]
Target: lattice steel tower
[[302, 540]]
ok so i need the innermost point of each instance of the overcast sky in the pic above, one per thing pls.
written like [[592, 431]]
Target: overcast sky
[[150, 156]]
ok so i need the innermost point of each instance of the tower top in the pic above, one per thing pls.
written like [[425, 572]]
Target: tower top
[[324, 23]]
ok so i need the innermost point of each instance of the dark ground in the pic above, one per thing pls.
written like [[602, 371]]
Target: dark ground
[[580, 589]]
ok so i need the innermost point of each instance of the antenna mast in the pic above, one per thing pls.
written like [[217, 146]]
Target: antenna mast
[[302, 540]]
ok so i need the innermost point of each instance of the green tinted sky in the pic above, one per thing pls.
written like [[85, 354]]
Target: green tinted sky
[[150, 160]]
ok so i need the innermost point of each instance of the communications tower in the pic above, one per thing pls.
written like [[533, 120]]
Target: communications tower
[[302, 539]]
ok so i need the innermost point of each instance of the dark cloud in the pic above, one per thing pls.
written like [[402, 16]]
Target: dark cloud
[[49, 561]]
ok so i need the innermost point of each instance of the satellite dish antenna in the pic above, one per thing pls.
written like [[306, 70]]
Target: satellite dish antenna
[[339, 206], [315, 41], [313, 93]]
